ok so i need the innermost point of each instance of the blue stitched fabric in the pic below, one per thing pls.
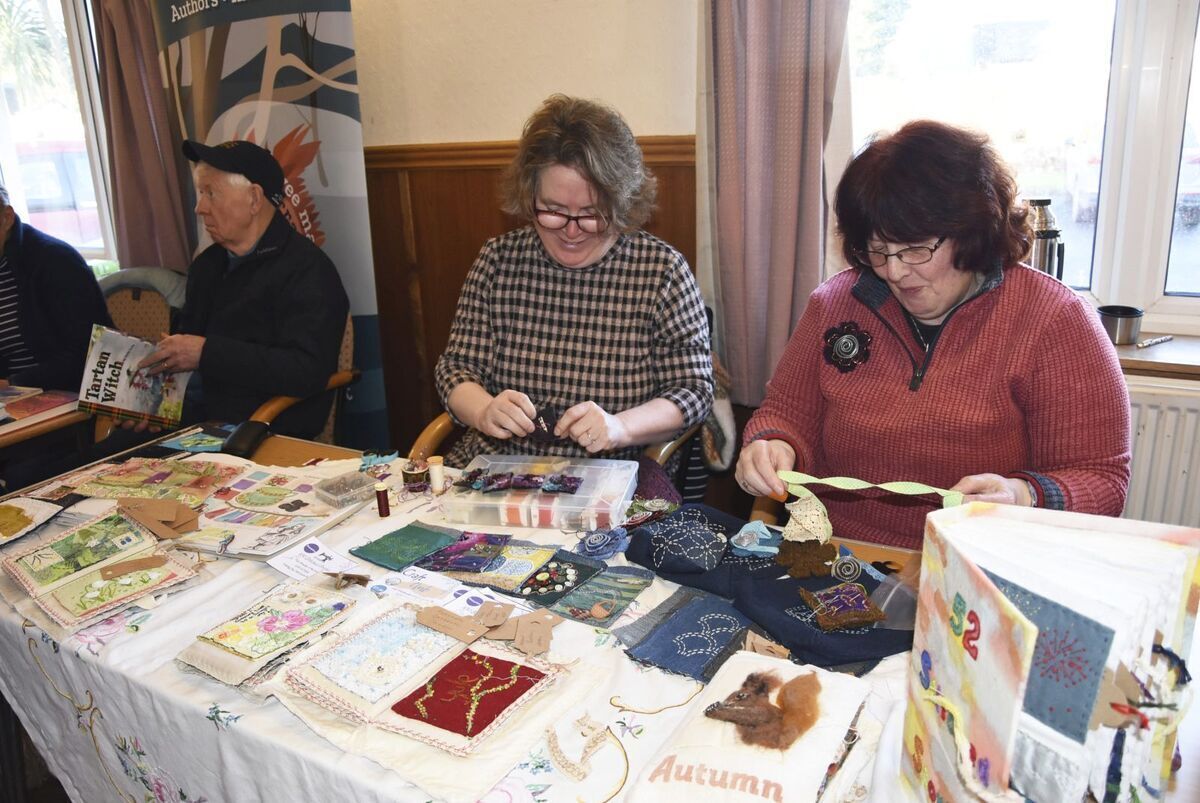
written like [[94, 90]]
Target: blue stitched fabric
[[1068, 660], [720, 580], [691, 540], [775, 604], [693, 638], [760, 591]]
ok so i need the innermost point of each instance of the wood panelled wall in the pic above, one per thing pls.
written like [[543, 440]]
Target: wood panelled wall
[[432, 208]]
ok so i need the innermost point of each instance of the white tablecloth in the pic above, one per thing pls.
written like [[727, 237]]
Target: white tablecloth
[[118, 719]]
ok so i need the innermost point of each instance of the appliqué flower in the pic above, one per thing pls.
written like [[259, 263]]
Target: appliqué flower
[[291, 620], [603, 544], [847, 346]]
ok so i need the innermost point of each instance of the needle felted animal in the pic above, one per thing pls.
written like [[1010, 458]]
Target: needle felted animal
[[763, 723]]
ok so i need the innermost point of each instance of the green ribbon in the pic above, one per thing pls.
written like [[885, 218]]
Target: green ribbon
[[796, 482], [810, 519]]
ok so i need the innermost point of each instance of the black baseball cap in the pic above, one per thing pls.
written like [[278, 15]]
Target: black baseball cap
[[239, 156]]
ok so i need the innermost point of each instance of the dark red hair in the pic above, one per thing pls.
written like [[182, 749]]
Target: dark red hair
[[931, 180]]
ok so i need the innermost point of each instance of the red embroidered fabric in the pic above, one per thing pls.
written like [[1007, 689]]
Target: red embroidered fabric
[[468, 693]]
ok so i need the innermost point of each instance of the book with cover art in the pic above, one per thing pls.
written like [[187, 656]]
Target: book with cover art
[[12, 393], [1046, 660], [113, 385], [22, 410]]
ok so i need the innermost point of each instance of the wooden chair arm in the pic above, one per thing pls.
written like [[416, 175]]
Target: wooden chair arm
[[766, 509], [104, 427], [431, 437], [269, 410], [661, 452]]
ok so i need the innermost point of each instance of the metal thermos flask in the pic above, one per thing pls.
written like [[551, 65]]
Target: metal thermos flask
[[1048, 249]]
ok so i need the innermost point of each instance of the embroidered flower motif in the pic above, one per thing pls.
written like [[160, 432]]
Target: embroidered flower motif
[[847, 346], [603, 544], [290, 620]]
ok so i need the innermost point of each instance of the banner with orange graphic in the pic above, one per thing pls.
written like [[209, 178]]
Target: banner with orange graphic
[[282, 73]]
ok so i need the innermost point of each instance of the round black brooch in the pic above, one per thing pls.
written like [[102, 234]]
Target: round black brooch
[[847, 346]]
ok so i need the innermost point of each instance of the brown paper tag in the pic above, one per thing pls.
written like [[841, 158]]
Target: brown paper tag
[[550, 619], [115, 570], [504, 632], [533, 636], [444, 621], [1113, 689], [764, 646], [166, 518], [493, 614]]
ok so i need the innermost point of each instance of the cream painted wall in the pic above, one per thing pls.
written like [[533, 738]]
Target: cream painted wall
[[473, 70]]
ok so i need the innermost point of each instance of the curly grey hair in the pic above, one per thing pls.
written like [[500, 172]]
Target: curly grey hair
[[596, 141]]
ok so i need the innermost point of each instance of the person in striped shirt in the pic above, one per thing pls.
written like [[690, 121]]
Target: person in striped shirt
[[49, 300]]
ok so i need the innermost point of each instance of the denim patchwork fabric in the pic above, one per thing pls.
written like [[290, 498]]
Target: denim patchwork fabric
[[725, 577], [776, 606], [691, 540], [693, 638], [635, 631]]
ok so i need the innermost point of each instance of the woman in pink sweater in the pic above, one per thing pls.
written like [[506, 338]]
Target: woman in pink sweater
[[938, 357]]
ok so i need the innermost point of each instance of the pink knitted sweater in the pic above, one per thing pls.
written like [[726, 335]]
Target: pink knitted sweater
[[1021, 382]]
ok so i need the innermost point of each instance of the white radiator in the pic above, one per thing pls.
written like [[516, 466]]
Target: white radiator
[[1165, 481]]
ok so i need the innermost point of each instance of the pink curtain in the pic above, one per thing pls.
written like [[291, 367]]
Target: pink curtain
[[774, 69], [148, 171]]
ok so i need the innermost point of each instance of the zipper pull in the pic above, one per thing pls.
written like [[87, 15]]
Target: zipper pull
[[915, 382]]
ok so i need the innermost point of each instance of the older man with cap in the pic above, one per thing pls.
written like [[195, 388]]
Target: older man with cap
[[265, 308]]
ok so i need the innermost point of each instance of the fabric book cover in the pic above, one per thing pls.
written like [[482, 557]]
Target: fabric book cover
[[1045, 661], [90, 570], [114, 385]]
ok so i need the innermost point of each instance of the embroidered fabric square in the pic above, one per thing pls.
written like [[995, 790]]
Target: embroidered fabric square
[[187, 481], [276, 622], [510, 568], [470, 693], [21, 515], [559, 577], [601, 601], [375, 659], [842, 605], [89, 594], [716, 753], [43, 566], [687, 541], [284, 618], [775, 605], [472, 552], [400, 548], [1068, 660], [690, 640]]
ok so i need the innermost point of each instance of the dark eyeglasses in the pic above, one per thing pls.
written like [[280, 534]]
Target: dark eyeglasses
[[913, 255], [549, 219]]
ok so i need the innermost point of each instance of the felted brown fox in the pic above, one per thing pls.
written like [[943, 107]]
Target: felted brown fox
[[766, 724]]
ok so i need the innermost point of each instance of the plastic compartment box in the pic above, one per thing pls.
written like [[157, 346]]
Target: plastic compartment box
[[601, 501], [346, 489]]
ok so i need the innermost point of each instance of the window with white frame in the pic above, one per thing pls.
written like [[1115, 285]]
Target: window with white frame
[[1088, 101], [51, 151]]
